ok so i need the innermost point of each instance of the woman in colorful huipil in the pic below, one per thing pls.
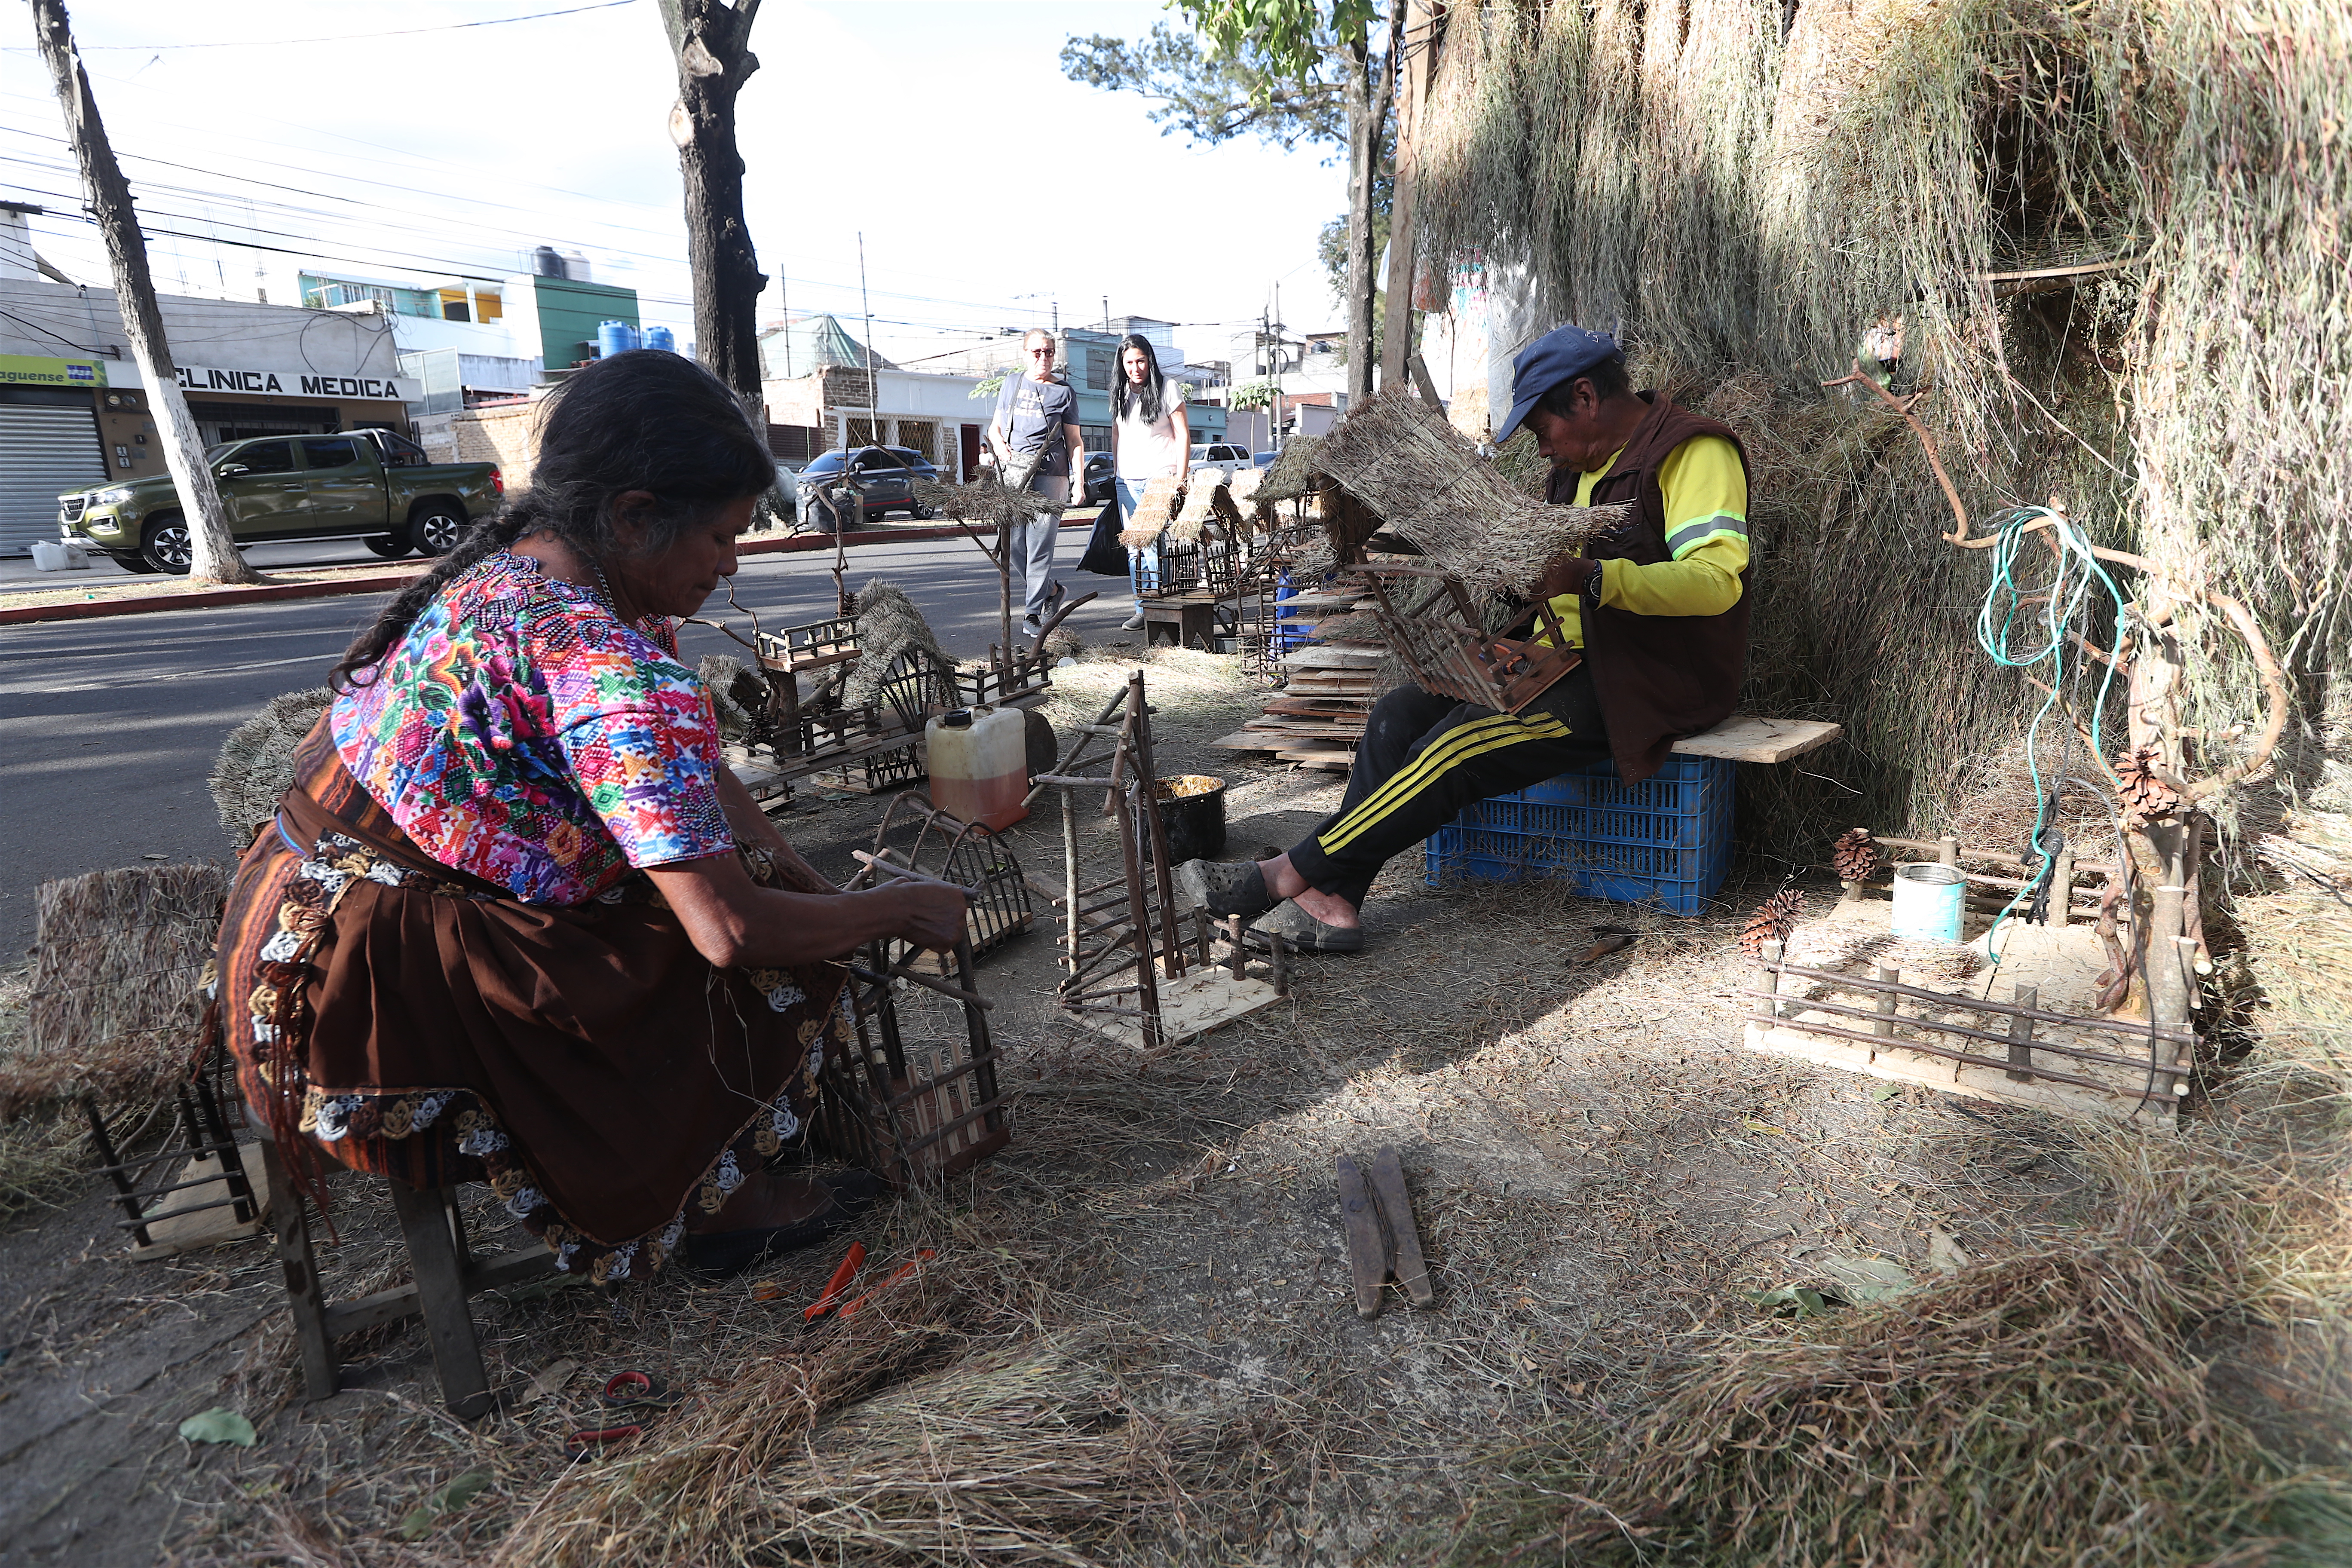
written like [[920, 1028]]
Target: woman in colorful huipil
[[516, 921]]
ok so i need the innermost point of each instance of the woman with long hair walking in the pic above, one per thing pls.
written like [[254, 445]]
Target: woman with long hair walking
[[1151, 438]]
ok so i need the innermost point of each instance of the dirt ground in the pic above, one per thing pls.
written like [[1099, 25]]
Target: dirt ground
[[1598, 1169]]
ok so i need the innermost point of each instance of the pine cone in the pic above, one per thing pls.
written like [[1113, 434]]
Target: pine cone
[[1772, 921], [1854, 857], [2145, 798]]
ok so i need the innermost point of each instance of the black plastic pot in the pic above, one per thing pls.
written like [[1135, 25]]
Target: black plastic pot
[[1193, 815]]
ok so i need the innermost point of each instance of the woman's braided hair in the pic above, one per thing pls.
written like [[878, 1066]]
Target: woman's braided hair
[[646, 420]]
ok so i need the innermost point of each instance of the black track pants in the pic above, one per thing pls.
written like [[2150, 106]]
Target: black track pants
[[1424, 758]]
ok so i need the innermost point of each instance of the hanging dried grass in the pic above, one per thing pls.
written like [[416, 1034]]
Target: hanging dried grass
[[888, 625]]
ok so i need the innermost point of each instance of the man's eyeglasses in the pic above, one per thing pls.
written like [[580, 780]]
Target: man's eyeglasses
[[1041, 353]]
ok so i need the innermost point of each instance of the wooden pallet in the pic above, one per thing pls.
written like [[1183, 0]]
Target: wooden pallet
[[1191, 1005]]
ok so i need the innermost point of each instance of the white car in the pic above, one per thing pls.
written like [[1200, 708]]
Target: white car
[[1216, 455]]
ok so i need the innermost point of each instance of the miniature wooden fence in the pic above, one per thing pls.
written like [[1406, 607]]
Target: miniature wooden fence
[[2018, 1044]]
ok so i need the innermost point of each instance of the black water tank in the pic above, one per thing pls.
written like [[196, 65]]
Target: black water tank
[[546, 263]]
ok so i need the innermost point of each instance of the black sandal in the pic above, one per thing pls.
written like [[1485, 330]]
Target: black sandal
[[721, 1254]]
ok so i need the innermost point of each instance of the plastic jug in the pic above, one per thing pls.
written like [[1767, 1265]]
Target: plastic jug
[[979, 764]]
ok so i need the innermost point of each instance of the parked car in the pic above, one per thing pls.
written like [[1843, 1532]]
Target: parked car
[[1217, 455], [365, 484], [844, 489], [1102, 477], [1264, 459]]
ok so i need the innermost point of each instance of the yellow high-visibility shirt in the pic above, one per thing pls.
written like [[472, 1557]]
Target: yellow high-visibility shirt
[[1706, 541]]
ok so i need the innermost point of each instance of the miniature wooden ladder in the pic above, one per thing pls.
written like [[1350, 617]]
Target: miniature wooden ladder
[[1125, 943]]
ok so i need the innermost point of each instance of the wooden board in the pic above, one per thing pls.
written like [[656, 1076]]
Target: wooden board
[[1330, 659], [1242, 740], [1359, 1219], [1191, 1004], [1404, 1236], [1744, 738]]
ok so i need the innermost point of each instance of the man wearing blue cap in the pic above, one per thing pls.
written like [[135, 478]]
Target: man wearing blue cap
[[1659, 606]]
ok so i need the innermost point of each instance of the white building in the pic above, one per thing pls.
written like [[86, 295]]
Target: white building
[[74, 408]]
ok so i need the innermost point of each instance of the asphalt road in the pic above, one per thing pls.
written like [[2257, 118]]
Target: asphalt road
[[108, 727]]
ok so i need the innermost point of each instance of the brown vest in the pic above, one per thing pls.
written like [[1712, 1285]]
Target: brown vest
[[1658, 678]]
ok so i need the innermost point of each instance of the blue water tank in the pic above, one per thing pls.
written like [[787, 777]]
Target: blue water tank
[[660, 338], [615, 338]]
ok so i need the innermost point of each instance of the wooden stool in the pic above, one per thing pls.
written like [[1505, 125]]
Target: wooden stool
[[448, 1275], [1190, 621]]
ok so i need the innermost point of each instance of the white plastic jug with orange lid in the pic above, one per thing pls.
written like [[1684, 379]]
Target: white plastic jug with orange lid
[[979, 764]]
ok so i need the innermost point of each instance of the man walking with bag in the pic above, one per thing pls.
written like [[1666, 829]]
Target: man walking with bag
[[1039, 446]]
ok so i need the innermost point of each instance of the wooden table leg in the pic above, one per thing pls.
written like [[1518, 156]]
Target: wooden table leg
[[308, 1301], [424, 1223]]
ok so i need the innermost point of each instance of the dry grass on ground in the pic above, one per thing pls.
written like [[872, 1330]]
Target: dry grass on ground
[[1137, 1345]]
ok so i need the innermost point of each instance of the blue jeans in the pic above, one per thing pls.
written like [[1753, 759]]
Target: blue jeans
[[1142, 562]]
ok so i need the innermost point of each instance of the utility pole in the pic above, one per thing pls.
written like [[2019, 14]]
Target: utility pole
[[712, 40], [211, 549]]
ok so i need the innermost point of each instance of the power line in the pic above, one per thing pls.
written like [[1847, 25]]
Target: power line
[[345, 37]]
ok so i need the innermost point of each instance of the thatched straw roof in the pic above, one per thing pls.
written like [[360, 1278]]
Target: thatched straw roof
[[1292, 473], [888, 624], [117, 963], [1399, 457], [984, 501], [1154, 512]]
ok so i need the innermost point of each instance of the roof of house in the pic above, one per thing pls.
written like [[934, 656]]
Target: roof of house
[[803, 347]]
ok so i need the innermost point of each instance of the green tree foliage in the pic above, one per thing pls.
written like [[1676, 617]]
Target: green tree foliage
[[1212, 96]]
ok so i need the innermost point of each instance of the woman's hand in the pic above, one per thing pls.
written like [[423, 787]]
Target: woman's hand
[[735, 922], [933, 915]]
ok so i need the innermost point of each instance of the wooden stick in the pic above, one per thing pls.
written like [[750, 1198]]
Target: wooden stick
[[2021, 1038]]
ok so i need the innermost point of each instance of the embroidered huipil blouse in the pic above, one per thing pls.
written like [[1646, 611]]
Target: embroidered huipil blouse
[[521, 731]]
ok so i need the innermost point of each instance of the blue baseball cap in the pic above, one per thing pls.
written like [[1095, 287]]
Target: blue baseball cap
[[1559, 355]]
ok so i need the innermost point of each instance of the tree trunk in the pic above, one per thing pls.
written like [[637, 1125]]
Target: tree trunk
[[1367, 92], [212, 550], [710, 41], [1415, 52]]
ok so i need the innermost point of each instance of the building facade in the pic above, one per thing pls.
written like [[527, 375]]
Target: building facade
[[75, 411]]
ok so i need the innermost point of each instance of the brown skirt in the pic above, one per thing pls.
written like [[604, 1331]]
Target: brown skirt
[[424, 1025]]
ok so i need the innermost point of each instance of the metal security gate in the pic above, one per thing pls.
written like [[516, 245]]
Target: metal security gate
[[42, 450]]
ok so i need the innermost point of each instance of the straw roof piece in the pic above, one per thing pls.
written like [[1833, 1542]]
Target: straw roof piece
[[115, 1006], [1399, 457], [888, 624], [1292, 473], [736, 695], [984, 501], [256, 764], [1154, 512], [1199, 505]]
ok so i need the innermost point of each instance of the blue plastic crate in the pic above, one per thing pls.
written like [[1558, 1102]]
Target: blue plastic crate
[[1667, 840]]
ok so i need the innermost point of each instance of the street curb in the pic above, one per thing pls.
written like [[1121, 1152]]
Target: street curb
[[93, 609]]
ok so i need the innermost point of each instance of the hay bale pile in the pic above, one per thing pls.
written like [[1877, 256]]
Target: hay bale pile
[[115, 1006]]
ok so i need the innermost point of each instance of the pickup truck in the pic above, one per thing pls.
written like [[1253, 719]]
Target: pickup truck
[[366, 484]]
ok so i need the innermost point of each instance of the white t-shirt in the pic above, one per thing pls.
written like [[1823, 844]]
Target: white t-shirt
[[1148, 450]]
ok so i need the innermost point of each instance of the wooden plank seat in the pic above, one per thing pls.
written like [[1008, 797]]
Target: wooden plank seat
[[447, 1275]]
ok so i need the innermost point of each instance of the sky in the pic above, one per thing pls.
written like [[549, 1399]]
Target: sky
[[990, 190]]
